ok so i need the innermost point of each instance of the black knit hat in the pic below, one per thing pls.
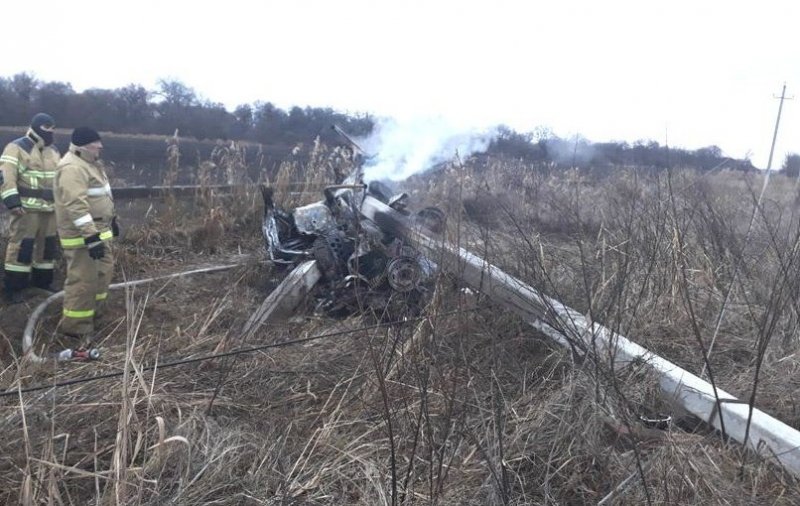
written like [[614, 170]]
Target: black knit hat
[[42, 120], [82, 136]]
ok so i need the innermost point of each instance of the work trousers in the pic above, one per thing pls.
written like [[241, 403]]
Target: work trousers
[[31, 251], [85, 289]]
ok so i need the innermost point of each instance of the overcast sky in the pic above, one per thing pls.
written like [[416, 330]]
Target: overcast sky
[[695, 73]]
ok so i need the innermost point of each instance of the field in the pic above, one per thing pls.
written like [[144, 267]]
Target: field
[[464, 404], [143, 160]]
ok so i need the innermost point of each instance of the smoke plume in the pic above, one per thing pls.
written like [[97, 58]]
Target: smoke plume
[[575, 151], [402, 149]]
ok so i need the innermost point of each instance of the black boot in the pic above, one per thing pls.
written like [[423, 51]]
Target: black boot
[[12, 296], [13, 285], [43, 279]]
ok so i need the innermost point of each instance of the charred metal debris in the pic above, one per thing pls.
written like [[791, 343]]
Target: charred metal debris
[[363, 267]]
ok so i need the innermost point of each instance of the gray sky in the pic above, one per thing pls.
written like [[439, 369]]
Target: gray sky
[[694, 72]]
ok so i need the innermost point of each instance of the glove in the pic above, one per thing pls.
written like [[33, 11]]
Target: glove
[[97, 249], [114, 227]]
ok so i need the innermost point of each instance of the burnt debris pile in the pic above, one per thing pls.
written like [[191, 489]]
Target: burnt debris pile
[[365, 268]]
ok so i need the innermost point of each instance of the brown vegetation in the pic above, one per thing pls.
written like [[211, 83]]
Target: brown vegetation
[[466, 405]]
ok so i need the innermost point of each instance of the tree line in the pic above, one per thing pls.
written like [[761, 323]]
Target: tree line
[[172, 106], [542, 146]]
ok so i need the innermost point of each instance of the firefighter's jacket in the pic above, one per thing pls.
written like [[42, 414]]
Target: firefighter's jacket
[[28, 168], [84, 205]]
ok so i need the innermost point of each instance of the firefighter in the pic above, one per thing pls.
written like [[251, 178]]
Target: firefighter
[[28, 165], [86, 223]]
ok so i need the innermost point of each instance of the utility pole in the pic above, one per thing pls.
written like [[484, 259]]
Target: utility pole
[[775, 134], [746, 236]]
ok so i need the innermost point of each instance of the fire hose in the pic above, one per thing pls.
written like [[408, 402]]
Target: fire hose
[[94, 353]]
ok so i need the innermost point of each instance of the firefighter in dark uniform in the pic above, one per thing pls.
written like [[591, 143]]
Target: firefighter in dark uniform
[[28, 166], [86, 225]]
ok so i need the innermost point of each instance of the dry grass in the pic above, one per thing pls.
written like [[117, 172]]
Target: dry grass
[[467, 405]]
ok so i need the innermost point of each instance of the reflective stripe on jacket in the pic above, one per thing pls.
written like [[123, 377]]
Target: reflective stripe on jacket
[[28, 168], [83, 200]]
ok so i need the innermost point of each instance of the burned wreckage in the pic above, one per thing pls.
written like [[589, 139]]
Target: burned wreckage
[[364, 267]]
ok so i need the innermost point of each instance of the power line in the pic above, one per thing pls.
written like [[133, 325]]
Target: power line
[[240, 351]]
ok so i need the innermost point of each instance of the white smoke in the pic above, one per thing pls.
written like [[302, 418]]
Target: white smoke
[[574, 151], [402, 149]]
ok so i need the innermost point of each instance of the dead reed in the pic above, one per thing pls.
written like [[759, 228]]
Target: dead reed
[[467, 405]]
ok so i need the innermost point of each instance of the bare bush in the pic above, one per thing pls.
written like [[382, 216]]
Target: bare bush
[[465, 404]]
